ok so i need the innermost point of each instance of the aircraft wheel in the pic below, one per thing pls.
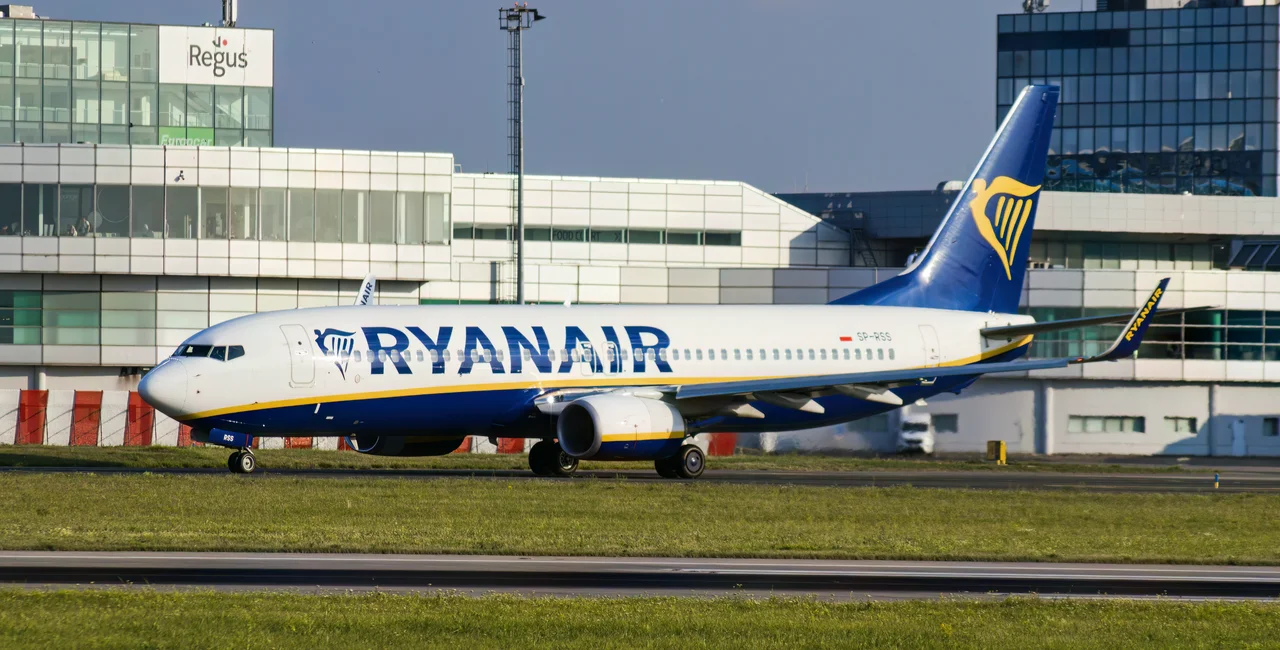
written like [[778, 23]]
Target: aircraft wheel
[[233, 461], [690, 462], [563, 464], [539, 460], [245, 463], [666, 467]]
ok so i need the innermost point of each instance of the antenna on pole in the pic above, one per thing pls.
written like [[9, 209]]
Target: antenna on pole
[[1035, 6], [230, 12], [515, 20]]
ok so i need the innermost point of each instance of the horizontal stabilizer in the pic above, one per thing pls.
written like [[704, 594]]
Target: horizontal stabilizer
[[1011, 332]]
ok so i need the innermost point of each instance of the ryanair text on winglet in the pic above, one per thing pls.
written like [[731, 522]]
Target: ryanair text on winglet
[[1142, 315]]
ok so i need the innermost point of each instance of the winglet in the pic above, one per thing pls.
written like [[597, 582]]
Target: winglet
[[366, 290], [1127, 343]]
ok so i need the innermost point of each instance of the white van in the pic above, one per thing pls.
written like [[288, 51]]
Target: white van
[[915, 433]]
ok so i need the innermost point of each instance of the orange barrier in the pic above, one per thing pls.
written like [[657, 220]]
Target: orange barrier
[[297, 443], [86, 415], [31, 416], [141, 425], [510, 445], [722, 444]]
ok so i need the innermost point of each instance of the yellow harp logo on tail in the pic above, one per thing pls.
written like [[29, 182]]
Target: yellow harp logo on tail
[[1012, 209]]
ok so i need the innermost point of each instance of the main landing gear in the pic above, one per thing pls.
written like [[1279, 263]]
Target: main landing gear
[[689, 462], [242, 462], [546, 458]]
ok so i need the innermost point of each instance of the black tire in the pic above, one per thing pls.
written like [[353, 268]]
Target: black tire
[[690, 462], [563, 464], [246, 463], [540, 460], [233, 462], [666, 467]]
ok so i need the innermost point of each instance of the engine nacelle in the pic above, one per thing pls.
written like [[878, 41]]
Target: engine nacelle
[[620, 427], [409, 446]]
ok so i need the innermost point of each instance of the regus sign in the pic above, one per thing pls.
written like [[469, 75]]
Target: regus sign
[[216, 56]]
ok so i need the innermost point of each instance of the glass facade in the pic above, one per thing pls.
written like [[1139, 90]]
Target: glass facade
[[247, 213], [1215, 335], [99, 83], [1172, 101]]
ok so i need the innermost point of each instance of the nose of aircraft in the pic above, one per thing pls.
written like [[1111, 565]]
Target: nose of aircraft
[[165, 387]]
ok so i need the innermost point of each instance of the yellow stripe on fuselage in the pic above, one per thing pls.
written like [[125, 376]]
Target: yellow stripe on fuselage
[[597, 382]]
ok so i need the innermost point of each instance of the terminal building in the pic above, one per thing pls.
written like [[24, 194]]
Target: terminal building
[[142, 200]]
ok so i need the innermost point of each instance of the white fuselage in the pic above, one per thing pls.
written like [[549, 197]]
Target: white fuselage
[[466, 369]]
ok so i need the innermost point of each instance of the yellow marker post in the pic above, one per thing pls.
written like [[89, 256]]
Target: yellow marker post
[[996, 451]]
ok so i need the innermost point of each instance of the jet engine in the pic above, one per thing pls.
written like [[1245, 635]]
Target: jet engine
[[404, 445], [620, 427]]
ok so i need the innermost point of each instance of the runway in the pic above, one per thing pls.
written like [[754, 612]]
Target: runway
[[1239, 481], [631, 576]]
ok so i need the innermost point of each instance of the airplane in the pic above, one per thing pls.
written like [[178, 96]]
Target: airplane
[[623, 382]]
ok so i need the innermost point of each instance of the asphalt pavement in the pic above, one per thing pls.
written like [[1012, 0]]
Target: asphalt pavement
[[606, 576], [1242, 480]]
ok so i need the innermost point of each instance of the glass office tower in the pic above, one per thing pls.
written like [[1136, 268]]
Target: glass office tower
[[64, 81], [1170, 101]]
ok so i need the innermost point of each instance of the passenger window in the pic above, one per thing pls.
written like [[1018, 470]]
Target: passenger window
[[446, 355], [824, 354], [737, 354], [435, 356], [421, 357], [724, 354], [355, 355], [235, 352], [394, 355], [891, 354], [501, 355], [382, 356], [880, 356], [775, 354], [857, 354], [835, 354], [788, 354], [686, 354], [219, 353], [662, 354], [749, 354], [811, 354], [711, 355], [699, 351], [869, 355], [763, 356]]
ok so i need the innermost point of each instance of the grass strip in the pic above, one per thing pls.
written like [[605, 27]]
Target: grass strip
[[192, 620], [629, 518], [193, 457]]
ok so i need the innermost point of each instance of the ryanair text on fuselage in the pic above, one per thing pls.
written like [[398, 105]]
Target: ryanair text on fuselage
[[389, 346]]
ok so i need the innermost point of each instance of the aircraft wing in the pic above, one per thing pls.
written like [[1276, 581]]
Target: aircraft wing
[[797, 392]]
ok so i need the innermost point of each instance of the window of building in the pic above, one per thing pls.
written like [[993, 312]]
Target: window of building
[[6, 49], [328, 215], [638, 236], [199, 107], [173, 105], [112, 216], [85, 102], [57, 50], [115, 103], [28, 50], [410, 218], [71, 317], [354, 215], [228, 107], [382, 206], [142, 104], [27, 102], [437, 208], [213, 214], [75, 210], [272, 214], [946, 422], [20, 318], [257, 103], [148, 211], [182, 211], [144, 47], [244, 213], [115, 52], [1105, 424], [684, 238], [1180, 425], [1271, 427], [608, 236], [57, 101], [723, 238], [302, 215]]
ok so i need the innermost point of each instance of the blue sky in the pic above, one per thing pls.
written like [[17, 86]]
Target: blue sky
[[834, 95]]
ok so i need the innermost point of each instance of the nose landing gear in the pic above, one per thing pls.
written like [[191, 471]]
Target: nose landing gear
[[242, 462]]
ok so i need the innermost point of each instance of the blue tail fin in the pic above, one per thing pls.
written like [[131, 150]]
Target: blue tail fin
[[977, 259]]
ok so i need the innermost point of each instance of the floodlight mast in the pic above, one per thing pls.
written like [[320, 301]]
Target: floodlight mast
[[515, 20]]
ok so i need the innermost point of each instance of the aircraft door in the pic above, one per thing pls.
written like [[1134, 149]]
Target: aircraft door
[[302, 365], [932, 355], [612, 362], [586, 359]]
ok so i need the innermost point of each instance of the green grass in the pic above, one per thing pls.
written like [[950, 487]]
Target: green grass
[[629, 518], [191, 620], [191, 457]]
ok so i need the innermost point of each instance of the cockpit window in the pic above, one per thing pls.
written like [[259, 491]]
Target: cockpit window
[[195, 350], [219, 353], [235, 352]]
